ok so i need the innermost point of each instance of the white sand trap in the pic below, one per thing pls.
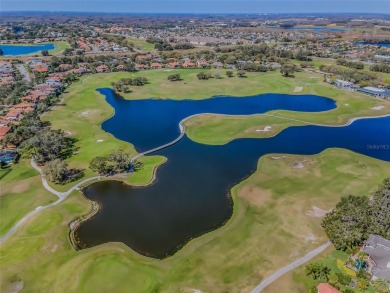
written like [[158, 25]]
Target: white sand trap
[[265, 129], [298, 89], [85, 113], [100, 140], [278, 158], [346, 104], [298, 165], [69, 133], [377, 108], [317, 212], [168, 70]]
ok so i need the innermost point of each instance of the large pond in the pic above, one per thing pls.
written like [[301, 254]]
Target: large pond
[[387, 45], [191, 195], [15, 50]]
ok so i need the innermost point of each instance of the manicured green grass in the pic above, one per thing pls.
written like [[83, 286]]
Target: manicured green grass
[[147, 171], [141, 44], [59, 48], [20, 193]]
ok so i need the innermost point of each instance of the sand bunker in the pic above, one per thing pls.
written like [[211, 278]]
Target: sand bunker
[[298, 89], [100, 140], [85, 113], [377, 108], [265, 129], [278, 158]]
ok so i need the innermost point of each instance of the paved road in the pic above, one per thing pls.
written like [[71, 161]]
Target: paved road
[[290, 267], [23, 71]]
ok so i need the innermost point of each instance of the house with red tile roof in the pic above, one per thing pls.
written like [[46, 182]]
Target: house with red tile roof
[[189, 64], [326, 288], [3, 131], [156, 65], [40, 69], [174, 65], [14, 114]]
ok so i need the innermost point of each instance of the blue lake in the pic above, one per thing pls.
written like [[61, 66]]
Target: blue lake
[[191, 195], [12, 50], [387, 45]]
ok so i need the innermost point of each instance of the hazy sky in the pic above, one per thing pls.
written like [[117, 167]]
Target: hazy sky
[[199, 6]]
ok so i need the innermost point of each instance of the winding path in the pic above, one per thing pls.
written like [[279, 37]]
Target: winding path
[[290, 267], [61, 197]]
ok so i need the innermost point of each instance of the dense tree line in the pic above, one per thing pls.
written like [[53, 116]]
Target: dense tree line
[[184, 46], [47, 145], [362, 77], [350, 64], [356, 217], [123, 84], [385, 68], [159, 44]]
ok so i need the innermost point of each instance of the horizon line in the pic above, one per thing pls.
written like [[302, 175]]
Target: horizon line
[[186, 13]]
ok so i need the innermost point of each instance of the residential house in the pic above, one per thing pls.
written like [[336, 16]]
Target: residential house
[[156, 65], [326, 288], [202, 64], [3, 131], [14, 114], [378, 249], [102, 68], [189, 64], [173, 64], [217, 65], [54, 82]]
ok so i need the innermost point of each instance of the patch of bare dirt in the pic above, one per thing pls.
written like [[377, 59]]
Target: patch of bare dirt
[[255, 195], [317, 212]]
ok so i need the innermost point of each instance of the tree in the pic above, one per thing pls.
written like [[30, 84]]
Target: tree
[[356, 217], [116, 162], [318, 271], [120, 159], [174, 77], [140, 81], [229, 73], [217, 75], [241, 74], [287, 70], [202, 76], [45, 53], [362, 284], [47, 145], [99, 165], [67, 52], [56, 171]]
